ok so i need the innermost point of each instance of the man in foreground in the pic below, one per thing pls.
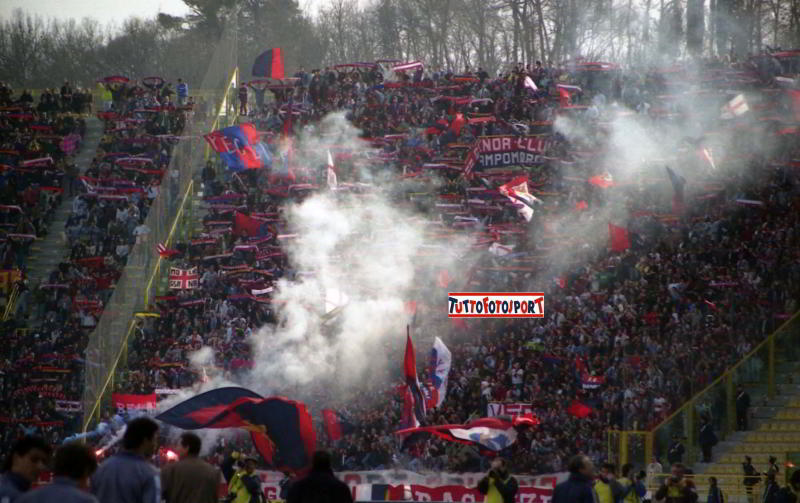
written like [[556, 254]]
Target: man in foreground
[[676, 488], [190, 480], [320, 485], [27, 459], [128, 476], [498, 485], [578, 487], [73, 464]]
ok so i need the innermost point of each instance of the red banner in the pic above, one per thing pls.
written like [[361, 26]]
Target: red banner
[[123, 402]]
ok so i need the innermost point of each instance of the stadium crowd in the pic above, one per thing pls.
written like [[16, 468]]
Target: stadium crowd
[[694, 291], [44, 354]]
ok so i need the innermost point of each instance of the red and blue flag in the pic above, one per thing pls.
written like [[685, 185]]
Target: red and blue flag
[[488, 434], [269, 64], [281, 429], [336, 425], [239, 147]]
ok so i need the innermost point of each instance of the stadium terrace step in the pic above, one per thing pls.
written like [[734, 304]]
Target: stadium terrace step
[[52, 249]]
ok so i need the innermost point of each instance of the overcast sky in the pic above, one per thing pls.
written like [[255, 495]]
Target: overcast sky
[[107, 11]]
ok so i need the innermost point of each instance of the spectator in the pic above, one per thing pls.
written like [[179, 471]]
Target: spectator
[[26, 461], [676, 488], [183, 92], [714, 492], [633, 489], [771, 489], [190, 480], [742, 408], [128, 476], [498, 485], [707, 439], [244, 486], [675, 452], [578, 487], [73, 465], [654, 471], [606, 487], [750, 476], [320, 484], [789, 494]]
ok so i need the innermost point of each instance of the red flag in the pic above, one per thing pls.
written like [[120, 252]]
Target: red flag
[[411, 307], [603, 181], [414, 393], [620, 240], [581, 205], [564, 97], [578, 409], [457, 124], [244, 225], [332, 424]]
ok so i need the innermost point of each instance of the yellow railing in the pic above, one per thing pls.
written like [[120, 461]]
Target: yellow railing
[[716, 402], [223, 106], [186, 199], [731, 485], [11, 303]]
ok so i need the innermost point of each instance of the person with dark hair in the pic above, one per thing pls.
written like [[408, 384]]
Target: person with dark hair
[[742, 408], [771, 489], [750, 476], [578, 487], [606, 487], [676, 488], [27, 459], [321, 484], [633, 489], [73, 464], [714, 492], [707, 439], [128, 477], [190, 480], [498, 485], [244, 486], [790, 493]]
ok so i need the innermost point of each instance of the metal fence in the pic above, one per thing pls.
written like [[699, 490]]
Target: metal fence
[[170, 212]]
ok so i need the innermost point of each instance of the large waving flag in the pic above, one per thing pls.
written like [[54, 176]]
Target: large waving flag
[[678, 185], [240, 147], [280, 429], [414, 401], [517, 191], [441, 360], [269, 64], [489, 433], [735, 107], [620, 238], [336, 425]]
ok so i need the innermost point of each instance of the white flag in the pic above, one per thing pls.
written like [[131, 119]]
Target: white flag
[[530, 84], [735, 107], [441, 359], [332, 182]]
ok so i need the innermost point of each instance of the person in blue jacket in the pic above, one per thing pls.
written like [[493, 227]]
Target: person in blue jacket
[[578, 487], [73, 464]]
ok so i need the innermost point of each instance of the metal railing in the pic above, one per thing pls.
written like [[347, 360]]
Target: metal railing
[[11, 303], [717, 402], [137, 287]]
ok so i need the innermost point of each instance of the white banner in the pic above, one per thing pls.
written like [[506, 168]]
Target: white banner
[[508, 409]]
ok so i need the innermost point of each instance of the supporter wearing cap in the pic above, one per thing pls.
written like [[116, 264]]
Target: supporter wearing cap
[[244, 485]]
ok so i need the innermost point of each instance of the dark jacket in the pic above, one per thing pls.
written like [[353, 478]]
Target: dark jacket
[[319, 487], [675, 453], [685, 492], [576, 489], [707, 435], [127, 478], [62, 490], [507, 488], [742, 401], [715, 495], [12, 486], [771, 493], [190, 480]]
